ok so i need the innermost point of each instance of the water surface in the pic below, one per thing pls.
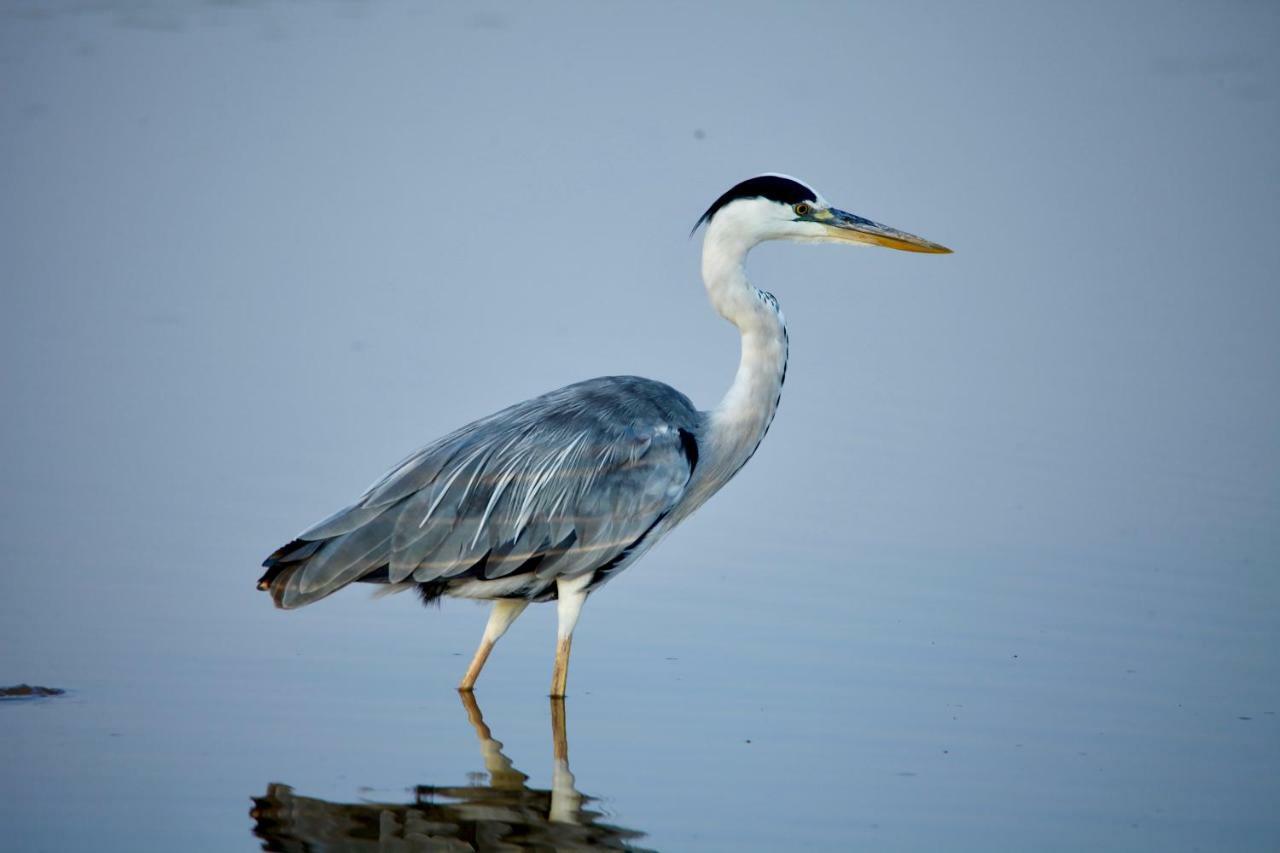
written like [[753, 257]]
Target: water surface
[[1003, 573]]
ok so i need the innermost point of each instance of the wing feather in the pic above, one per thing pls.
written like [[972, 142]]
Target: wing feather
[[556, 486], [346, 558]]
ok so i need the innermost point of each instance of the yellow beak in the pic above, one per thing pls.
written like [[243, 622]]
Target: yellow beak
[[854, 229]]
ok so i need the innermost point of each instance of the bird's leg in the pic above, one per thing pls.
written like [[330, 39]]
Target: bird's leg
[[560, 675], [559, 734], [571, 593], [505, 611]]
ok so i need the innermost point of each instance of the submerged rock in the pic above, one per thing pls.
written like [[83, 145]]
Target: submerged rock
[[23, 690]]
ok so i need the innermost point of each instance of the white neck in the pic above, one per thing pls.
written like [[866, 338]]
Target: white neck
[[736, 426]]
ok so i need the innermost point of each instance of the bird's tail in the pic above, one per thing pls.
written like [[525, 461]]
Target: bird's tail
[[284, 570], [351, 545]]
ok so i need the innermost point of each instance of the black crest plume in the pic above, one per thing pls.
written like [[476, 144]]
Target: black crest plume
[[772, 187]]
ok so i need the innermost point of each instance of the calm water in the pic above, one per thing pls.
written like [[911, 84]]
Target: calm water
[[1003, 575]]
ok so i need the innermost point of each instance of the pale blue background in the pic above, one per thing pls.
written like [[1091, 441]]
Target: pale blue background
[[1004, 573]]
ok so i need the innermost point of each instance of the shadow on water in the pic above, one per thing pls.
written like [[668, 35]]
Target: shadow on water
[[505, 814]]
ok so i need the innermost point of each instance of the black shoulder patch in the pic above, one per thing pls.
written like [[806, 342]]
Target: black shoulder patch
[[772, 187], [689, 445]]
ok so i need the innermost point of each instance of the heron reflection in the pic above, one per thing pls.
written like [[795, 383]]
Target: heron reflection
[[505, 814]]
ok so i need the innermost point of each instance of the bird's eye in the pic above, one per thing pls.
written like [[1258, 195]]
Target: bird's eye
[[802, 209]]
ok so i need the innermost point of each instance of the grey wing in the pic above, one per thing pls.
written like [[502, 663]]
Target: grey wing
[[557, 486]]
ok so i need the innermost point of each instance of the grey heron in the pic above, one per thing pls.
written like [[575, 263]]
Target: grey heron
[[551, 498]]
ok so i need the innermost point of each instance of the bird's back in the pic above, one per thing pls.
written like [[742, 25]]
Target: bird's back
[[556, 486]]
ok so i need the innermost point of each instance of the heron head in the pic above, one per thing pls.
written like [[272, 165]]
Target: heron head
[[777, 207]]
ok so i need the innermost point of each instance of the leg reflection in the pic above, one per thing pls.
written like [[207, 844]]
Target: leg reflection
[[566, 802], [506, 813], [503, 775]]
